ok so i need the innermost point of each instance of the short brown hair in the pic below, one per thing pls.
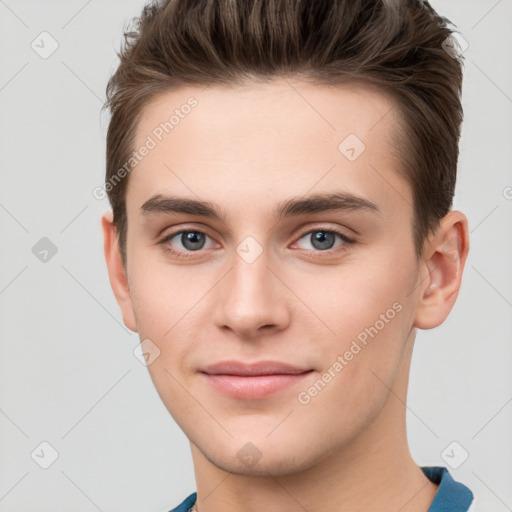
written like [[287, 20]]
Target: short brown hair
[[398, 45]]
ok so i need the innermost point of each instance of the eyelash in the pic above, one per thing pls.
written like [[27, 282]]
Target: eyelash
[[314, 253]]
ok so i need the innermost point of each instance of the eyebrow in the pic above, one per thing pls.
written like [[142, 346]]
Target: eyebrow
[[341, 201]]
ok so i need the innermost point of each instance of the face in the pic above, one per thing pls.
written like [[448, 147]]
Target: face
[[301, 254]]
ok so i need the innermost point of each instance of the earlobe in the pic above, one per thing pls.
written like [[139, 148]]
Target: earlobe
[[116, 271], [446, 256]]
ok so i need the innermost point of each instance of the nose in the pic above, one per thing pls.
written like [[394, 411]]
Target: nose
[[253, 300]]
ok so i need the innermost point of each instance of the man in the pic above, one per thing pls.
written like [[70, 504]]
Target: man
[[281, 176]]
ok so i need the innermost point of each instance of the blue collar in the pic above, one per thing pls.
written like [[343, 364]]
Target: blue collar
[[185, 505], [451, 496]]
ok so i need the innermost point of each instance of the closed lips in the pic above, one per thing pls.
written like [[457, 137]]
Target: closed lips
[[253, 370]]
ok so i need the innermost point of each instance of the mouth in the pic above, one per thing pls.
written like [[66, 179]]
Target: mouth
[[253, 381]]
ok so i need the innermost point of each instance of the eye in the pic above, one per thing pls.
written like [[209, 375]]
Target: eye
[[187, 241], [324, 239]]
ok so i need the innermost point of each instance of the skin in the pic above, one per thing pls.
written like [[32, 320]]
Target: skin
[[246, 149]]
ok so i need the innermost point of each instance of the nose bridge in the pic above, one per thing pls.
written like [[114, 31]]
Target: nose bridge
[[250, 272], [250, 275]]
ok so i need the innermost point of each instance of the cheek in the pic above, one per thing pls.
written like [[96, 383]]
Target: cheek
[[357, 296], [360, 362], [166, 307], [369, 313], [164, 295]]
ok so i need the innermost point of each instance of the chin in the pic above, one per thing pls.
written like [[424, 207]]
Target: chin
[[260, 458], [275, 466]]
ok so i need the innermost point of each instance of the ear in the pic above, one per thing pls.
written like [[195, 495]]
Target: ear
[[443, 262], [116, 271]]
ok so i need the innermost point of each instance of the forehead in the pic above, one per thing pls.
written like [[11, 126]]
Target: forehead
[[280, 106], [266, 139]]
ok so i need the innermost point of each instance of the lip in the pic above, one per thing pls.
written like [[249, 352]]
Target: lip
[[255, 380], [252, 369]]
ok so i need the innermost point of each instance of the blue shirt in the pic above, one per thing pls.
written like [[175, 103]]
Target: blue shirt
[[451, 496]]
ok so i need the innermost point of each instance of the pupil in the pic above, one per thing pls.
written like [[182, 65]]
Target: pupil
[[325, 240], [190, 237]]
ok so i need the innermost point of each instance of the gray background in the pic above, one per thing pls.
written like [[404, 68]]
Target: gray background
[[68, 375]]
